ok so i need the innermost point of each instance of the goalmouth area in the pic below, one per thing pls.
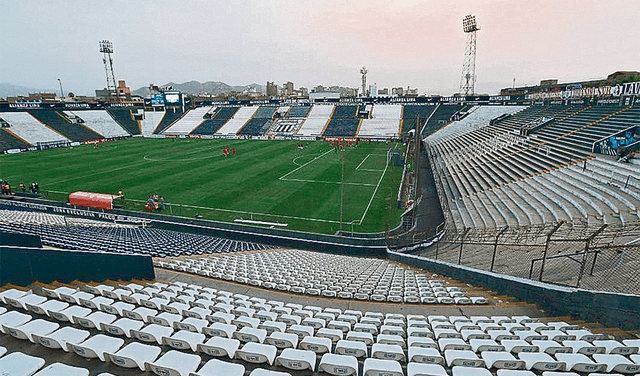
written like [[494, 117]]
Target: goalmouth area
[[318, 188]]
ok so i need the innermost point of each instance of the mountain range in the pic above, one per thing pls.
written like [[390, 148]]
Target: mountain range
[[11, 90], [209, 87]]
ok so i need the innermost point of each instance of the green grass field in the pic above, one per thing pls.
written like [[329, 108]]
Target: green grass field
[[271, 181]]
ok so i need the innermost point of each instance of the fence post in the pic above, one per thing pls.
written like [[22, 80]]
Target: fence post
[[546, 248], [495, 246], [586, 252], [462, 244]]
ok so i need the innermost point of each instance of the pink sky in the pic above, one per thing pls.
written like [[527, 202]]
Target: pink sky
[[310, 42]]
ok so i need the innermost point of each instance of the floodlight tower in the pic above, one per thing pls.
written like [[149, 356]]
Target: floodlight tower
[[106, 47], [468, 80], [364, 72]]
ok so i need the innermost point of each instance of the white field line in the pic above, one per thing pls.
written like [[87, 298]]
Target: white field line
[[313, 160], [374, 194], [329, 182], [365, 158]]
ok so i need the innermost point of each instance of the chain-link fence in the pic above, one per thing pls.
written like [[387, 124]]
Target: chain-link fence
[[602, 258]]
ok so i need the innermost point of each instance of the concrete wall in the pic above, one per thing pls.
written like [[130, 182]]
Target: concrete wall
[[23, 266], [609, 309]]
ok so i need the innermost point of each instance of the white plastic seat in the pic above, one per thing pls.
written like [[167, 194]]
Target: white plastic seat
[[49, 305], [333, 334], [94, 303], [584, 335], [366, 338], [501, 360], [480, 345], [22, 301], [62, 336], [353, 348], [316, 344], [220, 346], [617, 363], [297, 359], [55, 293], [222, 317], [380, 367], [424, 369], [425, 355], [391, 339], [31, 328], [215, 367], [243, 321], [184, 340], [366, 328], [384, 351], [465, 358], [453, 344], [96, 346], [512, 372], [541, 361], [615, 347], [551, 347], [339, 365], [518, 346], [174, 363], [266, 372], [584, 347], [134, 355], [152, 333], [469, 371], [13, 319], [219, 329], [116, 308], [392, 329], [424, 342], [165, 318], [501, 335], [283, 340], [469, 334], [95, 319], [580, 363], [300, 330], [122, 327], [446, 333], [141, 313], [19, 364], [248, 334], [191, 324], [257, 353], [273, 326], [57, 369], [74, 297]]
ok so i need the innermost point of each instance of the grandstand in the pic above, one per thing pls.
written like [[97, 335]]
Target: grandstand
[[190, 121], [344, 122], [61, 124], [412, 112], [100, 122], [29, 129], [10, 142], [317, 120], [260, 122], [123, 117], [151, 122], [290, 119], [171, 115], [238, 120], [385, 122], [218, 119]]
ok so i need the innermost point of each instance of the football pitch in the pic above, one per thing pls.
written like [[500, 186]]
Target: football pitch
[[314, 189]]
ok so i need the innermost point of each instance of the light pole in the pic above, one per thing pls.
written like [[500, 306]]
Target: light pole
[[341, 189], [61, 92]]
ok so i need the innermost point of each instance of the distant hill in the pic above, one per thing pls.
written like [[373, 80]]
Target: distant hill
[[10, 90], [209, 87]]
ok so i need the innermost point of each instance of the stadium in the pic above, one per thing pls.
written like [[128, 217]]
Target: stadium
[[368, 234]]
